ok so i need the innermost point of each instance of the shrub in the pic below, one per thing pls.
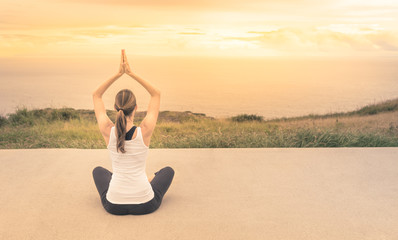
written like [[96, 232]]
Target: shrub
[[387, 106], [21, 117], [3, 121], [247, 117], [25, 117], [64, 114]]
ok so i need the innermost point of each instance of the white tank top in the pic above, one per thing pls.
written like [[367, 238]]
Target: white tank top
[[129, 183]]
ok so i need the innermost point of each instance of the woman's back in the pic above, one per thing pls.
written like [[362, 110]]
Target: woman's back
[[128, 190], [129, 183]]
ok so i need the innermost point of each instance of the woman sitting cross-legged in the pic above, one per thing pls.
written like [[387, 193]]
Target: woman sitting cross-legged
[[128, 190]]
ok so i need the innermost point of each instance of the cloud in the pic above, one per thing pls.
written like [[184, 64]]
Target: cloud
[[36, 39], [323, 40], [209, 5], [178, 39], [197, 3], [385, 40], [191, 33]]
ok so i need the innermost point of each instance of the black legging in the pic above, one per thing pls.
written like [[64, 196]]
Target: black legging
[[160, 184]]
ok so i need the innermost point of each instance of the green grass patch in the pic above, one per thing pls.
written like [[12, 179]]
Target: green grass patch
[[77, 128], [247, 118]]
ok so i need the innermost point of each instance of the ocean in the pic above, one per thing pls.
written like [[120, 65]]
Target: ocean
[[217, 86]]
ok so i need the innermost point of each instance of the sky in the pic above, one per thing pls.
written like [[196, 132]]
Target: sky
[[95, 28]]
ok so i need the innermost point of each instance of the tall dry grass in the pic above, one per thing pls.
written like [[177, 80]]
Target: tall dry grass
[[371, 126]]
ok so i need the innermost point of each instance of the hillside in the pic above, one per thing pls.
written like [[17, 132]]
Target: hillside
[[374, 125]]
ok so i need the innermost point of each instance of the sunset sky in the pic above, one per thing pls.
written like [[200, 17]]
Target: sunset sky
[[67, 28]]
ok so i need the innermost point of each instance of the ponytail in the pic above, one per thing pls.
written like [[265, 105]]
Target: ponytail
[[125, 104], [120, 130]]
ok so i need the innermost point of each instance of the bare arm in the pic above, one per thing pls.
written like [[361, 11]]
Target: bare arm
[[150, 88], [149, 122], [105, 85], [104, 123]]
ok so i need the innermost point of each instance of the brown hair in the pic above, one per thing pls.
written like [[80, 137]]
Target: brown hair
[[125, 103]]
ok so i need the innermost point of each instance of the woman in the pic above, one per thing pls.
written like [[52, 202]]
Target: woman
[[128, 190]]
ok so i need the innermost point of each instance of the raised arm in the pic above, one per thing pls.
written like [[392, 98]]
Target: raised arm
[[104, 123], [149, 122]]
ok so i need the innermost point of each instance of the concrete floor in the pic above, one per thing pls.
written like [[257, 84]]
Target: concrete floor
[[322, 193]]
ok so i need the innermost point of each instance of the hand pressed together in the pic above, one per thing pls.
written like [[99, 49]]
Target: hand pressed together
[[124, 65]]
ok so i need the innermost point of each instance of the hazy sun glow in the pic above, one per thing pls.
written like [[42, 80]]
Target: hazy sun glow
[[214, 28]]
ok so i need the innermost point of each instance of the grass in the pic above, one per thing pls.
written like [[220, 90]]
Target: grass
[[371, 126]]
